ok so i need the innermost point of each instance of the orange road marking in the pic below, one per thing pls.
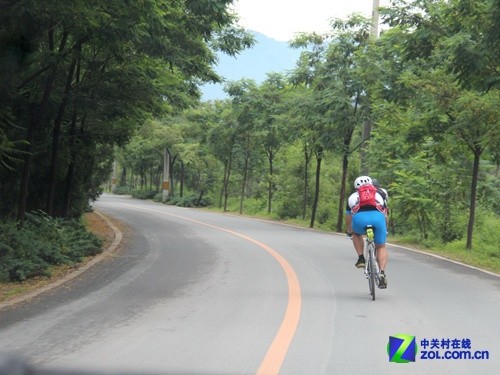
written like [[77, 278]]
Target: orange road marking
[[276, 353]]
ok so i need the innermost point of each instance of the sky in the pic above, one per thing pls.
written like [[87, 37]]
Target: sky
[[281, 19]]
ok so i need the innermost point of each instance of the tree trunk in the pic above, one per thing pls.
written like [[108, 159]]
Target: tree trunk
[[37, 113], [368, 124], [171, 174], [473, 195], [245, 173], [183, 173], [271, 175], [123, 176], [166, 175], [36, 116], [307, 159], [367, 129], [56, 132], [227, 174], [226, 185], [200, 197], [341, 212], [71, 167], [23, 192], [221, 197], [319, 157]]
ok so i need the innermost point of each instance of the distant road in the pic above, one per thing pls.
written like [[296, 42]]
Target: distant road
[[195, 292]]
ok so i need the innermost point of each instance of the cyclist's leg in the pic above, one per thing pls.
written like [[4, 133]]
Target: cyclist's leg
[[357, 237], [382, 262], [357, 240], [379, 221], [382, 256]]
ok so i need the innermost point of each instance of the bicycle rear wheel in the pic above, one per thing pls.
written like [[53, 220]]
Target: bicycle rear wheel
[[371, 274]]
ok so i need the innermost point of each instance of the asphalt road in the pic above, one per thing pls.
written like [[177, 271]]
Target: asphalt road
[[194, 292]]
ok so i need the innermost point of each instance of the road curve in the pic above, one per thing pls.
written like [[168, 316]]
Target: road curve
[[195, 292]]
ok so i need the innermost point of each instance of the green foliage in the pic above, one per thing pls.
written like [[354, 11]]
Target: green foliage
[[10, 151], [486, 253], [189, 201], [143, 194], [255, 205], [79, 78], [489, 189], [288, 209], [41, 243], [122, 190]]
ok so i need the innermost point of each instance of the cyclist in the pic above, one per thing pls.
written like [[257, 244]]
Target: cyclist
[[358, 216]]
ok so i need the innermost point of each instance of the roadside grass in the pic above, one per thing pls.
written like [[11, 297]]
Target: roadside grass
[[12, 289], [485, 252], [483, 256]]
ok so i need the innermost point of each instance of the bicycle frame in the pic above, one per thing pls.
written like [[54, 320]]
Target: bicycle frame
[[372, 269]]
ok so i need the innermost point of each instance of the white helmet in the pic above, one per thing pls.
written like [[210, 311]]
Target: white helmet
[[362, 180]]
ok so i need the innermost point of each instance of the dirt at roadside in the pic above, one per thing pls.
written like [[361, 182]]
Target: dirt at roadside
[[97, 225]]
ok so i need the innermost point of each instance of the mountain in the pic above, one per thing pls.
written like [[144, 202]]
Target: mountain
[[266, 56]]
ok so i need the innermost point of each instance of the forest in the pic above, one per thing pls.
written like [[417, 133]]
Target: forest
[[99, 95]]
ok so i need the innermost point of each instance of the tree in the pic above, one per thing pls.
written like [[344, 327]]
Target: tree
[[201, 164], [273, 131], [222, 141], [451, 41], [93, 72], [313, 134], [242, 97], [341, 93]]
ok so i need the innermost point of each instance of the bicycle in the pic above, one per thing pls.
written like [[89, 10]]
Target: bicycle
[[372, 269]]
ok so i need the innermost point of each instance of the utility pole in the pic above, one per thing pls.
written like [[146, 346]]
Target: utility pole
[[367, 130], [375, 18]]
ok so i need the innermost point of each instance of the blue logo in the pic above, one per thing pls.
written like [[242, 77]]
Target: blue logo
[[402, 348]]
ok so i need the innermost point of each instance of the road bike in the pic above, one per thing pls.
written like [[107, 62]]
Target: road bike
[[372, 269]]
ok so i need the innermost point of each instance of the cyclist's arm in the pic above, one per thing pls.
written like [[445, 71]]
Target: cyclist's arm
[[351, 202], [348, 221]]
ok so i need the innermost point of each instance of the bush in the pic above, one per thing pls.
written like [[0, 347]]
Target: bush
[[143, 194], [323, 215], [42, 242], [189, 201], [255, 206], [121, 190], [288, 210]]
